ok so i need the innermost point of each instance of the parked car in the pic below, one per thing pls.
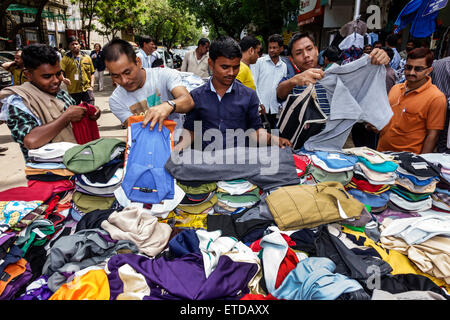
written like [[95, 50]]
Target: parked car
[[167, 61], [8, 54], [6, 78]]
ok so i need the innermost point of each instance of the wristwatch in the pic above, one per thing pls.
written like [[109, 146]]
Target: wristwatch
[[173, 104]]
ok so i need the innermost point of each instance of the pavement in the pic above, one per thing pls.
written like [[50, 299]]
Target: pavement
[[12, 163]]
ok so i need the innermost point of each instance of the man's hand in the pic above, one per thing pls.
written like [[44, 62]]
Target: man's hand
[[67, 81], [371, 127], [96, 115], [281, 142], [379, 57], [74, 113], [261, 109], [310, 76], [157, 114]]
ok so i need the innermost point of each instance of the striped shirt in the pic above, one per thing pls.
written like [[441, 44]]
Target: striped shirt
[[321, 95], [21, 122]]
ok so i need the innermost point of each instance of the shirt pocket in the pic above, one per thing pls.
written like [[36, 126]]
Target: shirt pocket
[[409, 122]]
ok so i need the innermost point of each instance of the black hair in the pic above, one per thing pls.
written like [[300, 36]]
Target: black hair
[[224, 46], [145, 39], [297, 36], [276, 38], [332, 53], [202, 42], [389, 52], [248, 42], [391, 40], [116, 47], [36, 54], [377, 42], [72, 39]]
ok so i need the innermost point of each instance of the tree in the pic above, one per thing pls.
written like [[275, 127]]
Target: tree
[[230, 17], [16, 26], [117, 15], [88, 10], [167, 24], [221, 16]]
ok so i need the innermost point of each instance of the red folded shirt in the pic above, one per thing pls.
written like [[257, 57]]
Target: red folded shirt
[[86, 130]]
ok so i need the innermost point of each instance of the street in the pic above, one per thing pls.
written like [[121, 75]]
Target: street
[[12, 162]]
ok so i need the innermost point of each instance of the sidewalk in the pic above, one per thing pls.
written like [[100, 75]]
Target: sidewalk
[[12, 164]]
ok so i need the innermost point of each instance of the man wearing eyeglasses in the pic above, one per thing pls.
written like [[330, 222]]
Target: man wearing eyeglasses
[[419, 108]]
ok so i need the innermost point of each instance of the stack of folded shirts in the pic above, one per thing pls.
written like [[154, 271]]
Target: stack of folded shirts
[[416, 182], [441, 196], [104, 180], [85, 185], [235, 195], [199, 198], [46, 162], [331, 166], [373, 175]]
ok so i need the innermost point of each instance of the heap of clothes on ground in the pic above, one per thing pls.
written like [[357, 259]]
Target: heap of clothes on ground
[[111, 219]]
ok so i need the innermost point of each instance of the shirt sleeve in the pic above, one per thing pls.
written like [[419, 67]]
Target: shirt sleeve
[[172, 79], [20, 123], [121, 111], [437, 113], [253, 118], [192, 115]]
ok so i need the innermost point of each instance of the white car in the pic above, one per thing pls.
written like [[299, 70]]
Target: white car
[[166, 57]]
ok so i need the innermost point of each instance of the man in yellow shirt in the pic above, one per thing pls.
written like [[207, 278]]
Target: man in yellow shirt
[[16, 68], [78, 71], [250, 47]]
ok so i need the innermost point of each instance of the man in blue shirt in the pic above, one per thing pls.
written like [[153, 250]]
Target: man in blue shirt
[[224, 107]]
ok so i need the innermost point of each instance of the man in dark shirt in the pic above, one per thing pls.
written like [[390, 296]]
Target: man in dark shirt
[[225, 108]]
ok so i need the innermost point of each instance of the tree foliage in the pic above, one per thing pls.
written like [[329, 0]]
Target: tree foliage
[[230, 17], [118, 15], [167, 24]]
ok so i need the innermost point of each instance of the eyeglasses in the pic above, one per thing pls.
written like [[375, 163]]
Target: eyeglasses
[[416, 68]]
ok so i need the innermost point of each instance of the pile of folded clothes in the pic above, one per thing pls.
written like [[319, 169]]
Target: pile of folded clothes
[[373, 174], [235, 195], [46, 162], [416, 182], [198, 201], [329, 166], [441, 196], [98, 168]]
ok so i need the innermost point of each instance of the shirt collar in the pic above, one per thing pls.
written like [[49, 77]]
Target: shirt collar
[[268, 59], [422, 88], [211, 86]]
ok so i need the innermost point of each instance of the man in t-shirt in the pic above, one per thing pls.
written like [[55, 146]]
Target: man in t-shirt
[[250, 47], [16, 68], [78, 73], [419, 108], [39, 112], [157, 92]]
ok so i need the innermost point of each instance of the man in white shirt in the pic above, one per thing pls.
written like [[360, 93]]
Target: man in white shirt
[[157, 92], [196, 61], [146, 49], [267, 73]]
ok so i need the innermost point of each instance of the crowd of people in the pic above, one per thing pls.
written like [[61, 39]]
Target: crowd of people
[[307, 106]]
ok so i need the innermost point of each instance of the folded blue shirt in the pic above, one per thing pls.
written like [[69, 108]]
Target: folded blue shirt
[[313, 279], [375, 201], [146, 180]]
